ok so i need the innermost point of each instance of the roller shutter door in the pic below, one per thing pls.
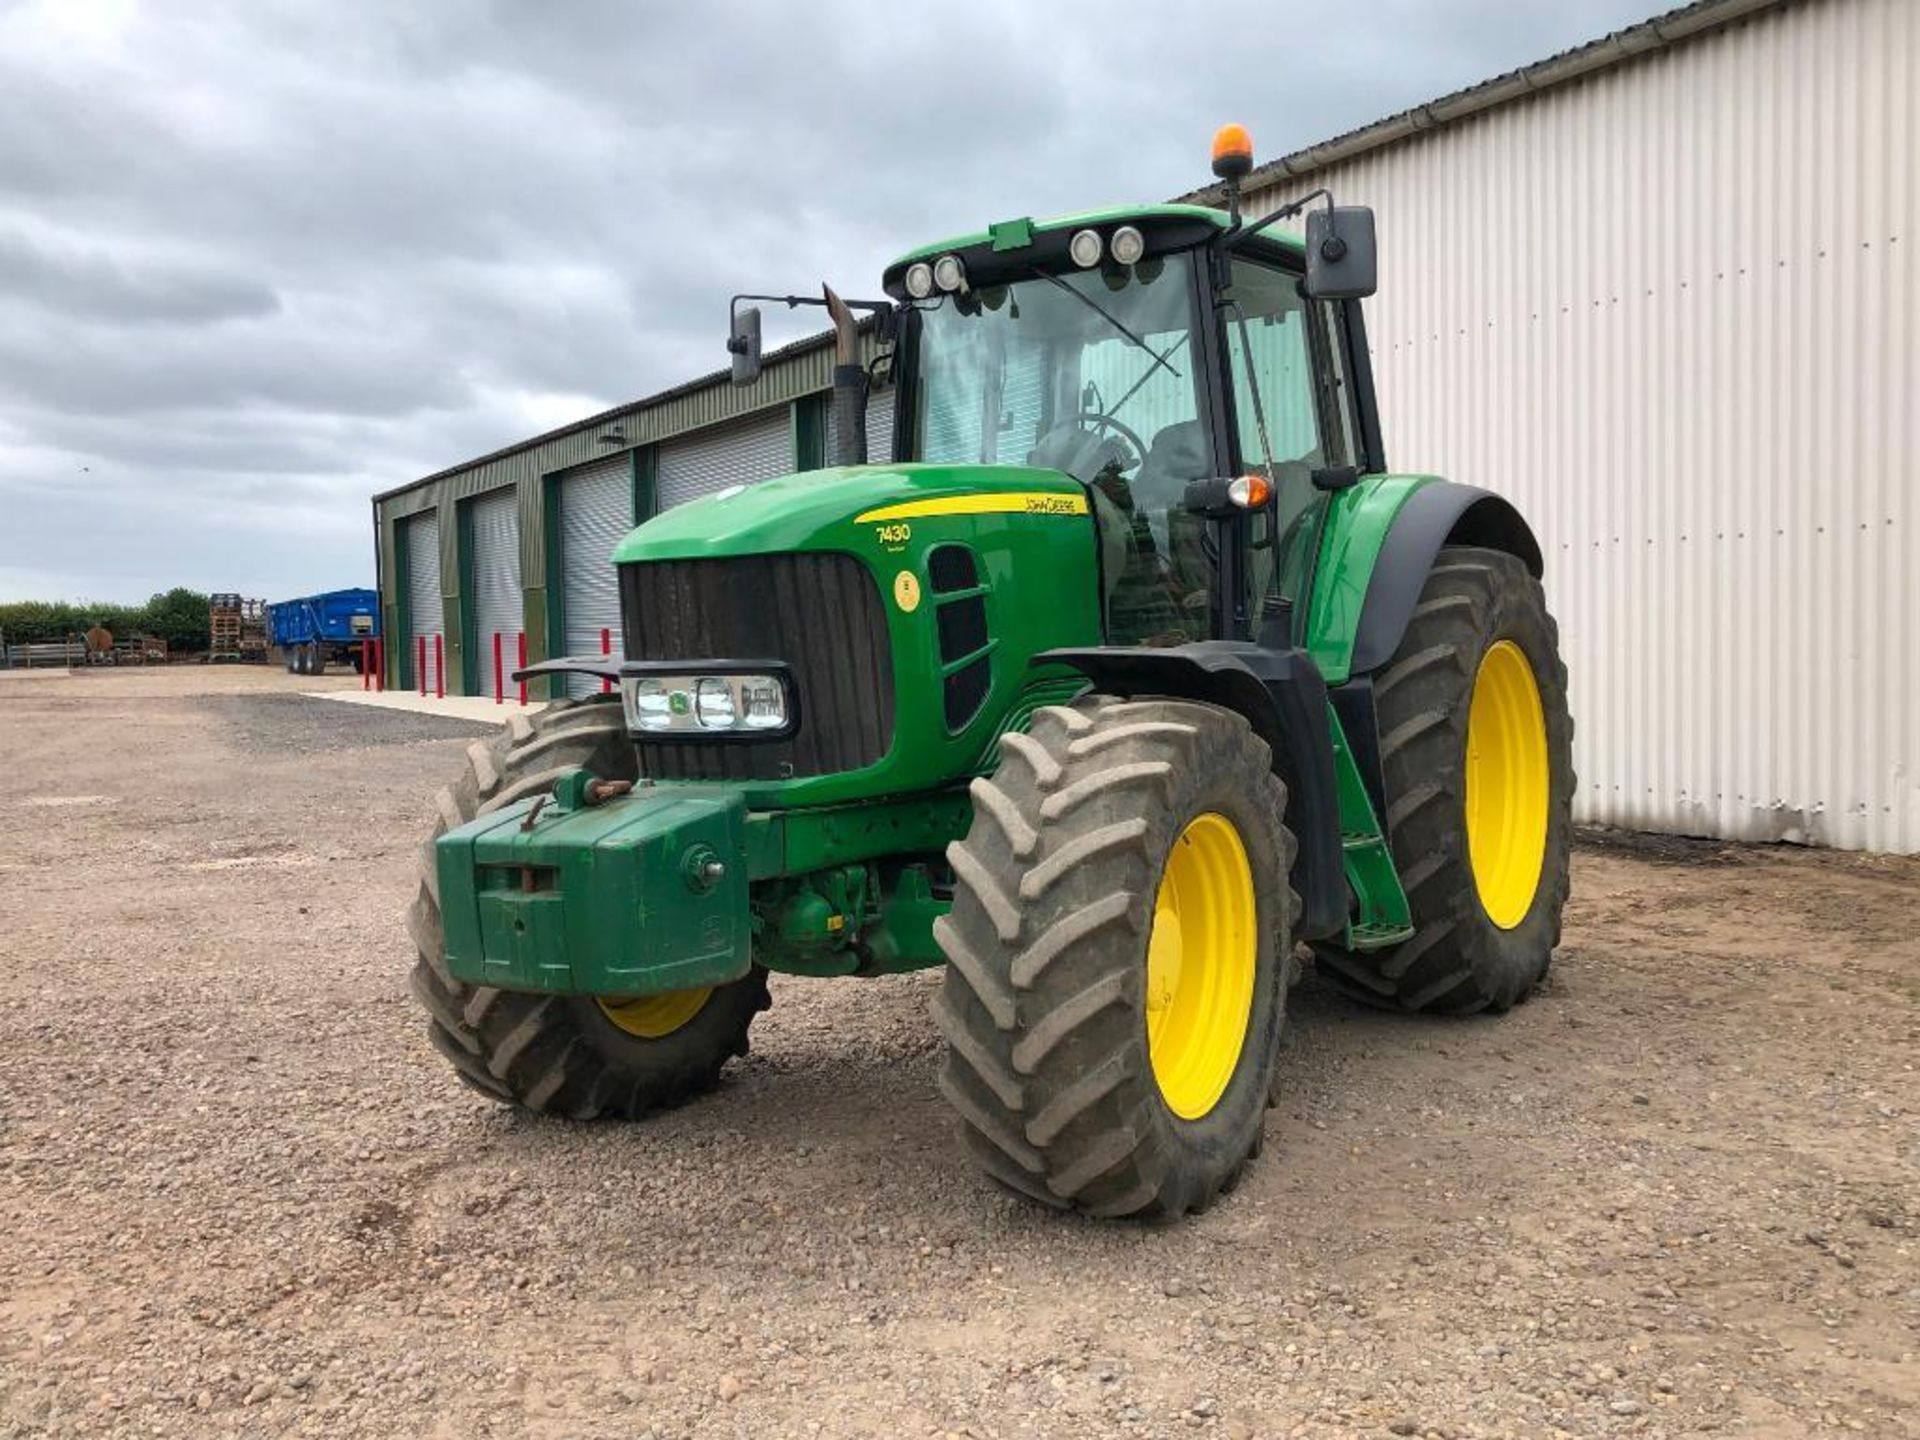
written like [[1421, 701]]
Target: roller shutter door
[[596, 512], [879, 427], [424, 606], [739, 453], [494, 527]]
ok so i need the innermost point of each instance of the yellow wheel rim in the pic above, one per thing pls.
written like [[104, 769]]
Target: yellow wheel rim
[[1507, 784], [1200, 964], [653, 1016]]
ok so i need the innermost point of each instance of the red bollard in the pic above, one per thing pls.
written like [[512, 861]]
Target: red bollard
[[499, 680], [420, 669], [366, 664], [523, 665], [379, 666], [439, 671], [606, 648]]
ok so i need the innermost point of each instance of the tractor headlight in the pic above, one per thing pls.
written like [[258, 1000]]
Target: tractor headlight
[[649, 705], [919, 280], [949, 274], [1128, 245], [763, 703], [1086, 247], [713, 703], [708, 705]]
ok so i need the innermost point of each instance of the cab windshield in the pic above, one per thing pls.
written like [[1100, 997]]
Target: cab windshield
[[1091, 372]]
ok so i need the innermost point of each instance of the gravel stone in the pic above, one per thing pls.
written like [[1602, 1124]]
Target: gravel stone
[[243, 1195]]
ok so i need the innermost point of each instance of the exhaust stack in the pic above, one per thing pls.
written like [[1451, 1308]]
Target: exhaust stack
[[849, 386]]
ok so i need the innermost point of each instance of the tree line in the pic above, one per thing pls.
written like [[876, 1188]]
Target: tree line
[[178, 617]]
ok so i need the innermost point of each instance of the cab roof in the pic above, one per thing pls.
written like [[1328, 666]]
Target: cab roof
[[1023, 240]]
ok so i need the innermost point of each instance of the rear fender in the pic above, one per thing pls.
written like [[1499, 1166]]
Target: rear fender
[[1283, 698]]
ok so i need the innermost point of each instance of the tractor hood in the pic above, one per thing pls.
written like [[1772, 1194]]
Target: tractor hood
[[852, 508]]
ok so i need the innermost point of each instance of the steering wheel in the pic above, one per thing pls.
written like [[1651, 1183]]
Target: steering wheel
[[1095, 422]]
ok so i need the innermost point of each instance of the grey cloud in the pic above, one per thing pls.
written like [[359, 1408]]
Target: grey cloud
[[259, 261], [128, 290]]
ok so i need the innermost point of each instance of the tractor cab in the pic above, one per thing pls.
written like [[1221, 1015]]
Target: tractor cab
[[1155, 355]]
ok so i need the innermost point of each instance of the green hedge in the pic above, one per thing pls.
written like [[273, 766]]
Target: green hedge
[[178, 617]]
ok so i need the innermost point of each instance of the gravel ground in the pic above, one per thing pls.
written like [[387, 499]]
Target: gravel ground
[[1677, 1194]]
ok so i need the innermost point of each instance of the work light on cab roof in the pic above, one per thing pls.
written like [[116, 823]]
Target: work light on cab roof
[[1125, 670]]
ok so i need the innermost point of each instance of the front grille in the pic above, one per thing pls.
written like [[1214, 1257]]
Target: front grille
[[821, 614]]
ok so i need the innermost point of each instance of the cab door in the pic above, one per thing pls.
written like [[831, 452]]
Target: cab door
[[1292, 411]]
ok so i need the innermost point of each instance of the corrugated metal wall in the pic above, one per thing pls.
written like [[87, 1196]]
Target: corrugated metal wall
[[1672, 310], [596, 511], [756, 448], [493, 530], [425, 599]]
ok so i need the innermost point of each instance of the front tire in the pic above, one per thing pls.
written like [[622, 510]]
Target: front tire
[[1476, 751], [567, 1054], [1118, 956]]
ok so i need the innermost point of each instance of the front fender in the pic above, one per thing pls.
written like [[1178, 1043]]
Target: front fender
[[1381, 540], [1284, 699]]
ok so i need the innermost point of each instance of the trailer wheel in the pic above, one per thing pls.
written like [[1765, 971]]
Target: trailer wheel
[[566, 1054], [1476, 750], [316, 657], [1118, 956]]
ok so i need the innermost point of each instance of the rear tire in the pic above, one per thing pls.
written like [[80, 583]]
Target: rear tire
[[565, 1054], [317, 659], [1064, 1091], [1460, 960]]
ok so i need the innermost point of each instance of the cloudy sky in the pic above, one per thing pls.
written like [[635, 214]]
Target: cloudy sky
[[261, 259]]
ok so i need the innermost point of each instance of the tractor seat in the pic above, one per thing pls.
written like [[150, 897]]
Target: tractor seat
[[1178, 454]]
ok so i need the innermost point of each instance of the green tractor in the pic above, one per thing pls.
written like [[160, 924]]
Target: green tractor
[[1132, 675]]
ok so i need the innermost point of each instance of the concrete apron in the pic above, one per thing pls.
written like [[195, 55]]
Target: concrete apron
[[460, 707]]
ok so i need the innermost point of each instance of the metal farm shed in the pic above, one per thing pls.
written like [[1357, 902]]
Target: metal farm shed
[[1661, 290]]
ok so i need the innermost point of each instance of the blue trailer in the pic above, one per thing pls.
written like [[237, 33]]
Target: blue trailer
[[315, 629]]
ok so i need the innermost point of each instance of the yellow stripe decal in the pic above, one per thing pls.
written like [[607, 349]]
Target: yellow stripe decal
[[1023, 502]]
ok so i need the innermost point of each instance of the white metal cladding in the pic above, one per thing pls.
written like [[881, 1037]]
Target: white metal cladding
[[756, 448], [425, 608], [596, 512], [1672, 311], [494, 526]]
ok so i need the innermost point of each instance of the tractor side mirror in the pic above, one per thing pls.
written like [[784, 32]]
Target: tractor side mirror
[[743, 343], [1342, 263]]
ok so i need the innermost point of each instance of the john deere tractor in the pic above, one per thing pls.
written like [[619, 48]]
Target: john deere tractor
[[1128, 677]]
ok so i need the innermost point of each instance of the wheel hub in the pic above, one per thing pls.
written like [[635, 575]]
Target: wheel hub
[[653, 1016], [1507, 784], [1201, 958]]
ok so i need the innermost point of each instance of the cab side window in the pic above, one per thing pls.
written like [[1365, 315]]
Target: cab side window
[[1268, 340], [1275, 338]]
